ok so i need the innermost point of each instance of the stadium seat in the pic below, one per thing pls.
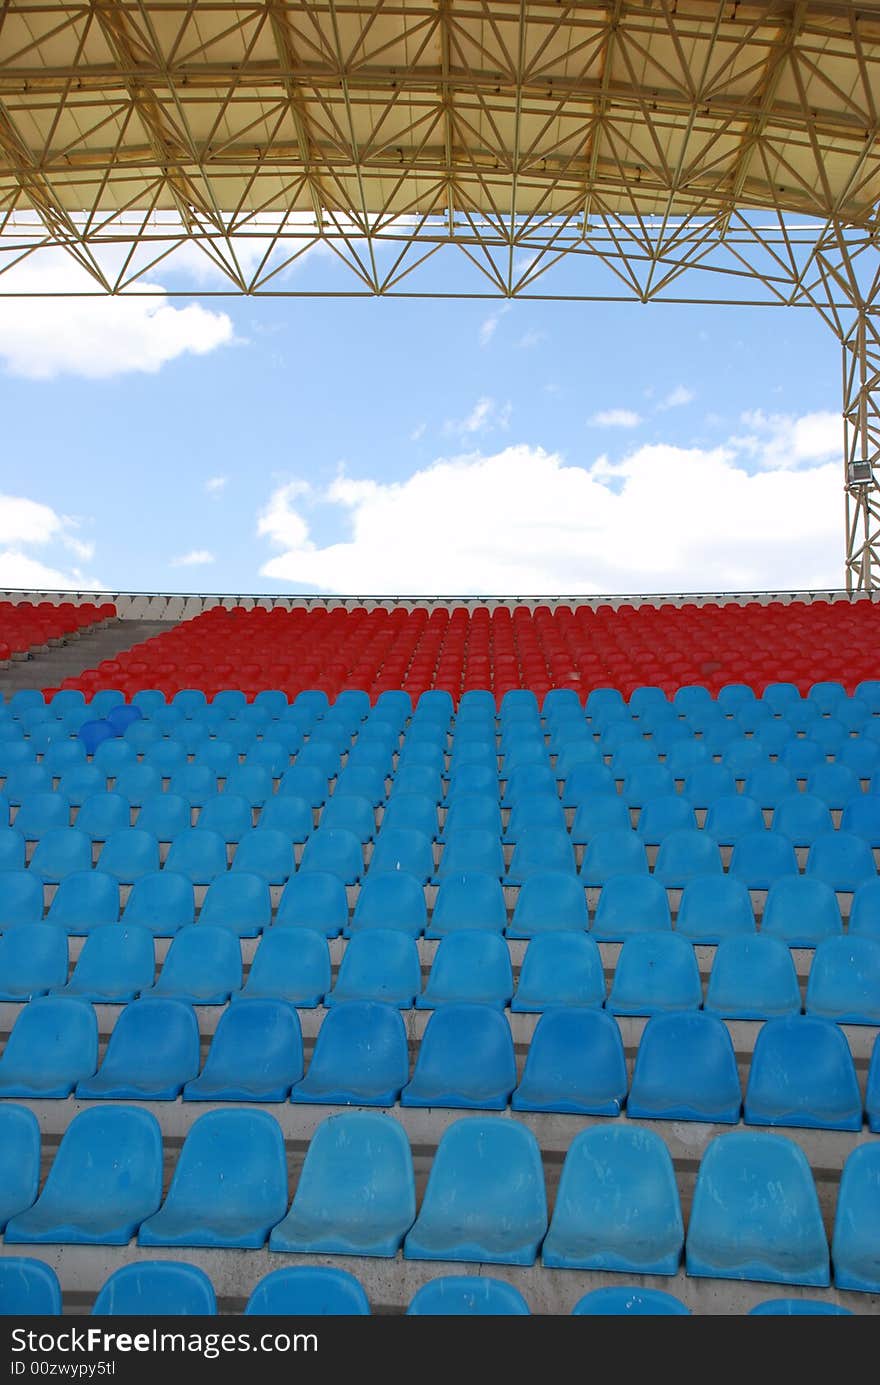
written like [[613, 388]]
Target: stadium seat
[[360, 1057], [28, 1288], [12, 850], [543, 813], [156, 1288], [40, 812], [104, 1180], [661, 816], [25, 779], [467, 1296], [85, 900], [394, 900], [617, 1207], [162, 901], [333, 851], [356, 1192], [137, 783], [306, 781], [59, 852], [527, 780], [19, 1165], [229, 1186], [353, 812], [485, 1200], [94, 733], [471, 850], [315, 899], [465, 1059], [379, 964], [584, 782], [114, 755], [761, 858], [842, 860], [631, 904], [251, 782], [610, 853], [198, 854], [229, 815], [560, 969], [686, 1070], [861, 817], [801, 911], [164, 816], [539, 850], [755, 1213], [714, 907], [768, 784], [834, 784], [196, 783], [802, 818], [53, 1043], [308, 1292], [684, 855], [629, 1303], [854, 1250], [844, 983], [469, 966], [798, 1308], [267, 853], [864, 914], [801, 756], [549, 902], [166, 758], [202, 966], [116, 963], [255, 1055], [753, 978], [464, 780], [468, 812], [152, 1051], [575, 1065], [731, 817], [802, 1074], [655, 972], [79, 782], [706, 782], [291, 966], [238, 901], [21, 897], [33, 961], [472, 900], [861, 756], [190, 701]]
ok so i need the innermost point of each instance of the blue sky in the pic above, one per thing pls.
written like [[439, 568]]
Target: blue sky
[[417, 446]]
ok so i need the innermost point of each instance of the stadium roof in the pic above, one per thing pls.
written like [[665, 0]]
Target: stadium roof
[[499, 125]]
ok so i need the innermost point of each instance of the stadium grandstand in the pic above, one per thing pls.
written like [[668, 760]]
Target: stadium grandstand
[[487, 956]]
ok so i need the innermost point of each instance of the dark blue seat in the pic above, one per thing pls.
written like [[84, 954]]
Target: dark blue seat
[[854, 1250], [308, 1292], [28, 1288], [469, 966], [755, 1213], [686, 1070], [53, 1043], [485, 1200], [19, 1165], [714, 907], [162, 901], [157, 1288], [379, 964], [802, 1074], [617, 1207], [575, 1065], [314, 899], [104, 1180], [560, 969], [753, 978], [116, 962], [255, 1055], [360, 1057], [631, 904], [152, 1051], [844, 983], [467, 1296], [655, 972]]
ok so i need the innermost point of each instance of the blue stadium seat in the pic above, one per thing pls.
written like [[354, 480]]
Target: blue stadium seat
[[42, 811], [730, 818], [199, 854], [402, 849], [202, 966], [379, 964], [801, 756], [426, 754], [714, 907], [53, 1043], [860, 755], [469, 966], [395, 704], [472, 900], [631, 904], [59, 852], [802, 818], [645, 701], [660, 816], [33, 961], [861, 817], [780, 697], [360, 1057], [467, 1296], [269, 756], [605, 702], [105, 1179], [312, 703], [685, 855], [156, 1288], [21, 898], [560, 969], [539, 850], [114, 755], [164, 816], [768, 784], [549, 902], [707, 782], [610, 853], [864, 915], [686, 1070], [753, 978], [463, 779], [755, 1213], [630, 755], [308, 1292], [575, 1065], [250, 782], [543, 813], [601, 812], [465, 1059], [229, 1186], [394, 900], [28, 1288], [801, 911], [165, 757], [471, 849], [266, 852], [94, 733], [802, 1074], [585, 781], [61, 756], [655, 972], [629, 1303], [255, 1055], [233, 700], [485, 1200], [742, 757], [528, 780], [19, 1165], [617, 1207], [314, 899], [220, 757], [12, 850], [420, 779], [195, 783], [306, 781], [291, 966], [153, 1050], [646, 782], [336, 852], [834, 784], [356, 1192], [854, 1250], [829, 735], [798, 1308], [415, 811], [137, 783], [842, 860], [24, 780], [162, 901], [844, 983], [238, 901], [130, 853], [572, 753], [354, 813], [762, 858], [85, 900], [190, 701], [684, 756], [294, 817], [115, 964]]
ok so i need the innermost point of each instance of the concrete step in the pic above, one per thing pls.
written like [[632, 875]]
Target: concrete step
[[81, 651]]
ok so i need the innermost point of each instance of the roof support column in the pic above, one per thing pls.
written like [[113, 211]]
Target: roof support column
[[861, 428]]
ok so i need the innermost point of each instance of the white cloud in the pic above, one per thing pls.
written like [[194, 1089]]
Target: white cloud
[[676, 398], [20, 570], [489, 325], [530, 339], [484, 417], [215, 485], [418, 432], [82, 550], [523, 520], [26, 523], [198, 557], [616, 418], [783, 441], [95, 337]]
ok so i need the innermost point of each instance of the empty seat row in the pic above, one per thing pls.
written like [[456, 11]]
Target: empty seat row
[[755, 1211]]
